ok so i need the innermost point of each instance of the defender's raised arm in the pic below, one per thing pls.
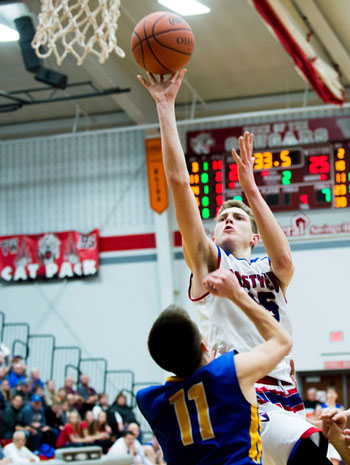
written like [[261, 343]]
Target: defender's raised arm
[[251, 366]]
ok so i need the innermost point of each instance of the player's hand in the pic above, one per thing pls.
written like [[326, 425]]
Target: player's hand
[[333, 423], [163, 90], [245, 161], [223, 283]]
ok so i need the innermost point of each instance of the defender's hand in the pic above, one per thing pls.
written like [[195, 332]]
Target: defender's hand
[[223, 283], [163, 90], [245, 161]]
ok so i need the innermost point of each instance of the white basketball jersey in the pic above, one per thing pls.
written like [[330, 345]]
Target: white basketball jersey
[[225, 327]]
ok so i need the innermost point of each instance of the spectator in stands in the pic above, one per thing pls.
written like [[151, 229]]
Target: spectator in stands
[[87, 393], [17, 374], [125, 446], [22, 389], [115, 421], [98, 432], [5, 389], [3, 459], [61, 395], [102, 425], [65, 411], [75, 401], [84, 389], [134, 427], [124, 410], [101, 406], [35, 378], [2, 401], [72, 402], [2, 373], [33, 417], [4, 355], [331, 403], [68, 385], [72, 434], [11, 418], [154, 452], [311, 403], [18, 452], [54, 417], [39, 391], [51, 396]]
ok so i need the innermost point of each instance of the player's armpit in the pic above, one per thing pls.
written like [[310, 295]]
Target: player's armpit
[[284, 274], [198, 248]]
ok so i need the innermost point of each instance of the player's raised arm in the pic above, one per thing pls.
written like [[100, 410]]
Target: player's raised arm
[[198, 249], [275, 241], [254, 365]]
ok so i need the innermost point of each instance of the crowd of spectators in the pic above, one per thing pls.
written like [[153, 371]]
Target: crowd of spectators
[[36, 418]]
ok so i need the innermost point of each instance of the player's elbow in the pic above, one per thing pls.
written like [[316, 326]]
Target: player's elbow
[[284, 263], [286, 343], [177, 182]]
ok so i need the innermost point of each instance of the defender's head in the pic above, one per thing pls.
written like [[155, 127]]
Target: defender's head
[[175, 342]]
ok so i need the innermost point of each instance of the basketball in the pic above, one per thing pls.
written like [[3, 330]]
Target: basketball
[[162, 42]]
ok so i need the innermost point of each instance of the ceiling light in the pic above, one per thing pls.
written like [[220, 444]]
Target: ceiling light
[[7, 34], [185, 7]]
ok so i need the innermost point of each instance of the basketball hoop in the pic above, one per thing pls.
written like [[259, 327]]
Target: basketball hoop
[[78, 27]]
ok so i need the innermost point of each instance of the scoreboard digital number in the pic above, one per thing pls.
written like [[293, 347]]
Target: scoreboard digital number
[[290, 178]]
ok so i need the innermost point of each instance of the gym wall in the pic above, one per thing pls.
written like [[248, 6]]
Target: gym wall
[[98, 180]]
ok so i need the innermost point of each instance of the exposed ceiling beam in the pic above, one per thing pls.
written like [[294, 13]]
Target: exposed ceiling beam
[[326, 34], [236, 107]]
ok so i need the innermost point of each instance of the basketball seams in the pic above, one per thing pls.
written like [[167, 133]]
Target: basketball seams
[[154, 55], [140, 43], [158, 34]]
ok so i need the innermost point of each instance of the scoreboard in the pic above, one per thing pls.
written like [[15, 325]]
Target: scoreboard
[[294, 177]]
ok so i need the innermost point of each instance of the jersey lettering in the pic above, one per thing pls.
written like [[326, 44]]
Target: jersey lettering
[[266, 299], [197, 394]]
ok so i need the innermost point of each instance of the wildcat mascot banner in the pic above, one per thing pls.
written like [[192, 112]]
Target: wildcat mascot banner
[[59, 255]]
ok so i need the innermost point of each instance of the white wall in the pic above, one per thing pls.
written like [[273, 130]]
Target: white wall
[[98, 180]]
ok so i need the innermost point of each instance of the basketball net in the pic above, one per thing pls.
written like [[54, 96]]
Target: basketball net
[[78, 27]]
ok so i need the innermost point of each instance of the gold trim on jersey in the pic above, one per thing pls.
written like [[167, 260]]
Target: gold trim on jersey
[[255, 438]]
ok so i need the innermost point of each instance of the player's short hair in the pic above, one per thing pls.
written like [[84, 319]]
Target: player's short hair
[[242, 206], [174, 342]]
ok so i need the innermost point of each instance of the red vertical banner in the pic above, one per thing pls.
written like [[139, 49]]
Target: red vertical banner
[[157, 186]]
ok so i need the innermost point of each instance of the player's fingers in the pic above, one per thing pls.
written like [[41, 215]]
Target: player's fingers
[[182, 74], [143, 81], [151, 77], [251, 142], [242, 150], [236, 157], [173, 77], [246, 139], [161, 78]]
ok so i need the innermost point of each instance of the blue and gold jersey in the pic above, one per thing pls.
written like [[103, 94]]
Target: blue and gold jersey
[[204, 419]]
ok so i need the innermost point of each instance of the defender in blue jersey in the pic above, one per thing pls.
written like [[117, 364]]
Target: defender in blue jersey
[[207, 413]]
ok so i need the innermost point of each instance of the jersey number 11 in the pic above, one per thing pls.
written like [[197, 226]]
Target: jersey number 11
[[197, 394]]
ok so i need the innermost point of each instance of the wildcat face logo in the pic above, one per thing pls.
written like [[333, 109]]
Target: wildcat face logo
[[48, 249], [202, 143]]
